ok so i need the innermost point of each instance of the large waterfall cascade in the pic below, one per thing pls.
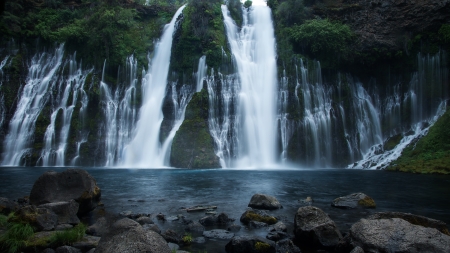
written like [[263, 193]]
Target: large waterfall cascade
[[253, 49], [145, 149]]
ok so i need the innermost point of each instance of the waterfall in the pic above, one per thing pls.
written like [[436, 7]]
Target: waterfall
[[120, 113], [201, 73], [144, 150], [286, 126], [55, 140], [253, 50], [2, 98], [41, 75]]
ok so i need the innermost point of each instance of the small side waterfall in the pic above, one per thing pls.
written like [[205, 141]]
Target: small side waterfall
[[253, 50], [42, 74], [286, 126], [55, 140], [145, 151], [201, 73]]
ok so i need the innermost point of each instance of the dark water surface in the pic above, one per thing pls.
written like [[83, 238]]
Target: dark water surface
[[167, 190]]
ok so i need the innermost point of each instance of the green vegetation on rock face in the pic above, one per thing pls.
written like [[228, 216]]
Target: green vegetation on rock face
[[193, 146], [15, 238], [430, 154]]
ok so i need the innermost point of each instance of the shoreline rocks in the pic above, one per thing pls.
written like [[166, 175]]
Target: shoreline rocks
[[265, 202], [353, 201]]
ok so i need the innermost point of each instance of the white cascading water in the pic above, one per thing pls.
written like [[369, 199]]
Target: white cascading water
[[82, 135], [253, 50], [201, 73], [120, 113], [144, 151], [286, 125], [41, 75], [55, 142]]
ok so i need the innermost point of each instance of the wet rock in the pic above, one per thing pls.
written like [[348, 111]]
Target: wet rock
[[199, 240], [99, 228], [62, 227], [144, 220], [161, 217], [286, 246], [171, 236], [313, 228], [218, 234], [7, 206], [263, 201], [353, 201], [152, 227], [396, 235], [357, 249], [306, 202], [194, 226], [172, 218], [257, 224], [413, 219], [65, 210], [41, 218], [212, 220], [223, 218], [70, 184], [257, 215], [234, 228], [279, 226], [249, 244], [277, 236], [67, 249], [88, 242], [173, 246], [126, 214], [127, 235]]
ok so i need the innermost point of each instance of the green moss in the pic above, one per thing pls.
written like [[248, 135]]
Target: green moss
[[256, 217], [392, 142], [431, 154], [367, 202], [262, 247]]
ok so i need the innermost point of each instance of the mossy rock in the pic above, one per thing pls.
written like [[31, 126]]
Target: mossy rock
[[353, 201], [261, 216]]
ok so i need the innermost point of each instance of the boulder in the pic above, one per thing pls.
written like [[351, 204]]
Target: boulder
[[257, 215], [127, 235], [396, 235], [144, 220], [413, 219], [42, 219], [66, 211], [152, 227], [279, 226], [194, 226], [313, 228], [70, 184], [234, 228], [249, 244], [263, 201], [357, 249], [7, 206], [277, 236], [212, 220], [286, 246], [99, 228], [218, 234], [353, 201], [171, 236], [257, 224]]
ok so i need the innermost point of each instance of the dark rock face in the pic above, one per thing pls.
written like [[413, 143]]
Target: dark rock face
[[396, 235], [257, 215], [387, 23], [70, 184], [194, 226], [212, 220], [41, 218], [313, 228], [99, 228], [353, 201], [67, 249], [193, 146], [171, 236], [127, 235], [263, 201], [413, 219], [249, 244], [7, 206], [66, 211], [286, 246]]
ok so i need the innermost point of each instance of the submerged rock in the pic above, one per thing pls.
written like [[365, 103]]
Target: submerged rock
[[396, 235], [127, 235], [353, 201], [263, 201], [70, 184], [313, 228], [218, 234], [249, 244]]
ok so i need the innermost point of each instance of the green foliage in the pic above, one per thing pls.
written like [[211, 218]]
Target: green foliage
[[3, 220], [187, 239], [290, 12], [248, 4], [444, 33], [328, 40], [431, 154], [262, 247], [15, 237], [68, 236], [235, 9]]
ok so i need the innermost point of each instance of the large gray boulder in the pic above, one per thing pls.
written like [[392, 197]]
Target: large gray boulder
[[127, 235], [353, 201], [396, 235], [263, 201], [249, 244], [65, 210], [70, 184], [313, 228], [413, 219]]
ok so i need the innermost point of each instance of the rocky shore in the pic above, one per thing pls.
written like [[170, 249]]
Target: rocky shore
[[64, 213]]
